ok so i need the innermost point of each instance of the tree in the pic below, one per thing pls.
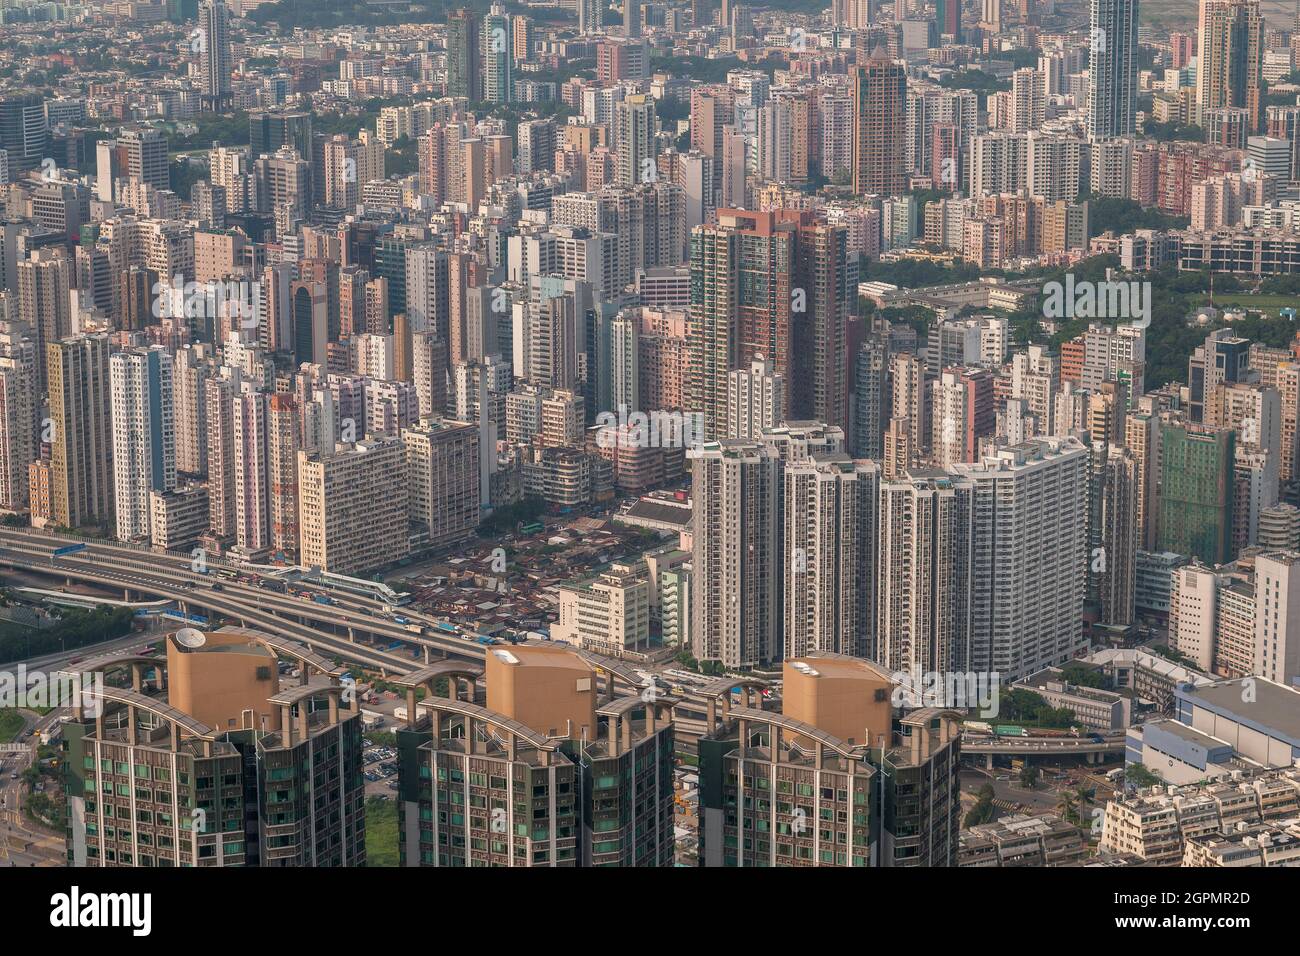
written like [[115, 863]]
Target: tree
[[912, 274], [506, 518], [1029, 776], [983, 810], [401, 158], [75, 629], [1080, 675], [1086, 796], [183, 173], [699, 69], [1021, 58], [976, 80], [670, 109], [1168, 653], [1167, 132], [1137, 775], [1066, 806], [1120, 216], [1025, 706]]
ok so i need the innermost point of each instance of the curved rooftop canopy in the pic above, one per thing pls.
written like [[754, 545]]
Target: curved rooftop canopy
[[130, 698], [493, 719], [773, 719]]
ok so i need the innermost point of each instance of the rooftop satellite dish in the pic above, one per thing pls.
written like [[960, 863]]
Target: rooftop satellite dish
[[191, 637]]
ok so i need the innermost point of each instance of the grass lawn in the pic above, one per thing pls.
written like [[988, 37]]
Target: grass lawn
[[1183, 13], [381, 832], [1168, 13], [10, 723]]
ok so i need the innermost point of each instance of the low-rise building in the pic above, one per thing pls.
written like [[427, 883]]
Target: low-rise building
[[1263, 844], [1092, 707], [1019, 840], [178, 519], [1160, 825], [1151, 677]]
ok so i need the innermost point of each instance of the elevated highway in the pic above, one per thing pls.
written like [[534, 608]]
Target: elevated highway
[[1092, 751], [1019, 746], [338, 629]]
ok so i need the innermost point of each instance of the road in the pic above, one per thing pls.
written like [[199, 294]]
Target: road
[[1040, 746], [337, 629], [347, 628], [342, 628], [22, 844]]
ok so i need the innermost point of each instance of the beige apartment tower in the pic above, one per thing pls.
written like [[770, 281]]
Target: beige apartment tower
[[81, 454], [353, 507], [442, 467]]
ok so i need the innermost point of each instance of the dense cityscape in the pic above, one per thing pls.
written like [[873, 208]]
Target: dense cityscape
[[694, 434]]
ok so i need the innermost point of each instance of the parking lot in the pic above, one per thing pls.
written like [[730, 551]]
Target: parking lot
[[381, 769]]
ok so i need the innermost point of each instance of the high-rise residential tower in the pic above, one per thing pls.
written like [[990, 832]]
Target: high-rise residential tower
[[1028, 570], [144, 436], [1112, 532], [1229, 69], [1196, 491], [596, 768], [214, 762], [737, 497], [923, 573], [755, 400], [81, 454], [828, 555], [879, 127], [215, 60], [498, 57], [464, 55], [18, 405], [1113, 69]]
